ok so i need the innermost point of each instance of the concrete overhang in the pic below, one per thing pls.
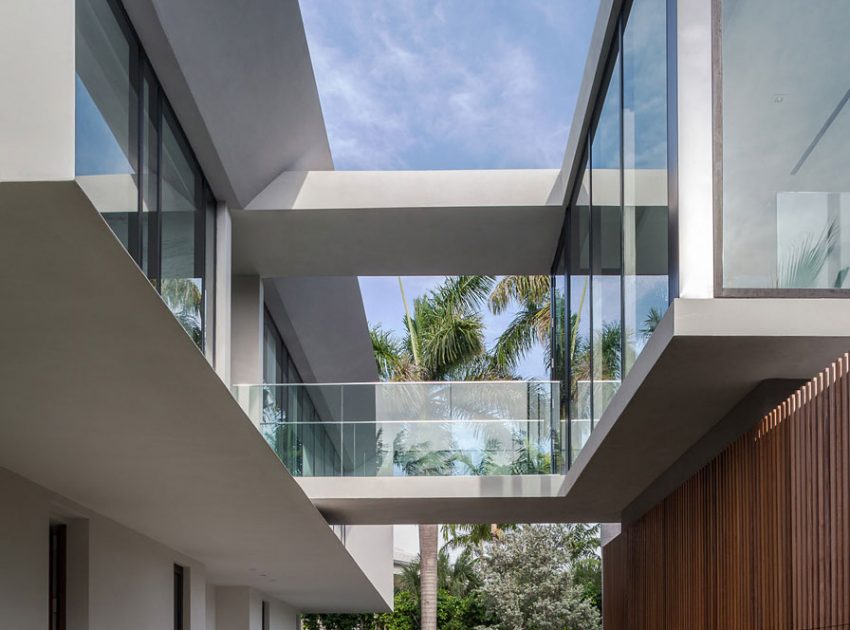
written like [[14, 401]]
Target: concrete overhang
[[704, 359], [397, 500], [106, 401], [240, 79], [323, 323], [400, 223]]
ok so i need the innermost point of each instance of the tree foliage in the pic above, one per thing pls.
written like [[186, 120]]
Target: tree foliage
[[528, 579]]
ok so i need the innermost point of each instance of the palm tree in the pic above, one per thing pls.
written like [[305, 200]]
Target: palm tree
[[800, 265], [444, 340], [185, 299], [532, 322], [469, 535], [459, 578]]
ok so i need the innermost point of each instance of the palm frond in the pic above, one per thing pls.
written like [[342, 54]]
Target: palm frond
[[523, 290], [802, 263], [463, 293], [516, 340]]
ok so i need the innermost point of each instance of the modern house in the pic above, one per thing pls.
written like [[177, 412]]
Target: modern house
[[191, 431]]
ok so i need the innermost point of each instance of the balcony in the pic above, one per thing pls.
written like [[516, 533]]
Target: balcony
[[411, 429]]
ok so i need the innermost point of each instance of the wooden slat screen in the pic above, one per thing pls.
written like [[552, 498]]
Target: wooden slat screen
[[759, 538]]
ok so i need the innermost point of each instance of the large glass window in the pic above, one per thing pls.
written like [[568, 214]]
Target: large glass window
[[558, 309], [106, 148], [645, 265], [786, 185], [605, 247], [181, 221], [578, 327], [136, 166], [291, 419], [615, 246]]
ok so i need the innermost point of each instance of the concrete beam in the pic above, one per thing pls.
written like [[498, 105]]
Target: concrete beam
[[398, 500], [704, 358], [402, 222]]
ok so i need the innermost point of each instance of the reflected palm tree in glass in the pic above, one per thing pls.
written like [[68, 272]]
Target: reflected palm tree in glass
[[185, 298]]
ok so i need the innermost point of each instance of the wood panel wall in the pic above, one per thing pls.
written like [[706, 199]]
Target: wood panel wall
[[759, 538]]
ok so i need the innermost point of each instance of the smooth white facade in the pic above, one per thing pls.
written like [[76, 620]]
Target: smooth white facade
[[37, 75], [117, 578]]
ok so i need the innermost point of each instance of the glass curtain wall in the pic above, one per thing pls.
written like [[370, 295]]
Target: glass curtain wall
[[606, 247], [135, 165], [291, 420], [645, 248], [559, 360], [615, 246], [785, 124], [578, 323]]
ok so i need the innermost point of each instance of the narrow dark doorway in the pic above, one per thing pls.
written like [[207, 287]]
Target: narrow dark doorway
[[57, 577], [178, 597], [265, 624]]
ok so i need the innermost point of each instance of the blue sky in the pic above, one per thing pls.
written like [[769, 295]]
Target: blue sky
[[446, 84], [433, 84]]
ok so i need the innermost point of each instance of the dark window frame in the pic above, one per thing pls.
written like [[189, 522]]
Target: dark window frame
[[140, 69], [58, 576], [179, 597], [613, 46]]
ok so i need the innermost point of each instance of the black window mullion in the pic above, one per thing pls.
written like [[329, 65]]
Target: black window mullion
[[156, 238], [622, 206], [139, 79], [568, 333], [590, 260]]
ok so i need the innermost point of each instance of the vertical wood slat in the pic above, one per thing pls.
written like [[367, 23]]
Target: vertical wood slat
[[759, 538]]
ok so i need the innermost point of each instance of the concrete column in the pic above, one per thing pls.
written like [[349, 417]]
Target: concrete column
[[223, 273], [247, 330], [694, 148], [233, 608], [241, 608], [37, 79]]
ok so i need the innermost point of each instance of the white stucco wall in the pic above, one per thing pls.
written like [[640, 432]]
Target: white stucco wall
[[696, 210], [372, 547], [24, 522], [241, 608], [37, 83], [246, 323], [116, 578]]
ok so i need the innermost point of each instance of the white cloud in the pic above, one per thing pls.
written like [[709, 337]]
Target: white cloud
[[408, 83]]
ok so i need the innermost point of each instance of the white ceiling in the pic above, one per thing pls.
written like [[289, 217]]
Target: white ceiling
[[105, 400]]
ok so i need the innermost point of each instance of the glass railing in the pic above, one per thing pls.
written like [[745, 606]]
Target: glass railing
[[410, 429], [585, 420]]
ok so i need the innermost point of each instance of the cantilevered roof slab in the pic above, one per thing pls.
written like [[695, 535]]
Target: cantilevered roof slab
[[706, 358], [383, 500], [241, 81], [105, 400], [400, 223]]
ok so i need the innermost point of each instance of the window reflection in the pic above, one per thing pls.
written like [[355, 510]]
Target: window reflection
[[578, 341], [616, 241], [559, 358], [786, 120], [606, 251], [124, 129], [106, 118], [291, 421], [645, 282], [181, 213]]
